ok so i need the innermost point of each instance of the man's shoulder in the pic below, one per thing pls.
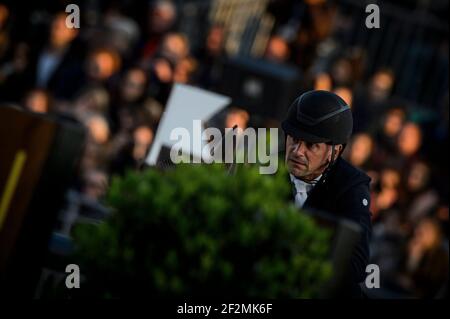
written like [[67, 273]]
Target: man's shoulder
[[346, 176], [348, 170]]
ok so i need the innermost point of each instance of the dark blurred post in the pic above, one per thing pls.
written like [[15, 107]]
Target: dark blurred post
[[39, 155]]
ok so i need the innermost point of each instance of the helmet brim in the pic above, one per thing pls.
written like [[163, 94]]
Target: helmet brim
[[298, 132]]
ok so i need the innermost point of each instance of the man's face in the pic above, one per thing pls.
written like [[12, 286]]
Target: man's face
[[306, 160]]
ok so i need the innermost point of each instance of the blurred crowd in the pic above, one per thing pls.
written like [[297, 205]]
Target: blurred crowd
[[115, 73]]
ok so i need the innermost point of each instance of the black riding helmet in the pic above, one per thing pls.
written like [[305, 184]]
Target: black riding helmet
[[319, 117]]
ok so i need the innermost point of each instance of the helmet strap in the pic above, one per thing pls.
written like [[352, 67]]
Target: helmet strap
[[330, 164]]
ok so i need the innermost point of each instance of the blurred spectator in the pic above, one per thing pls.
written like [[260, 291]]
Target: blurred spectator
[[161, 79], [60, 38], [323, 81], [316, 18], [371, 102], [277, 50], [14, 73], [388, 195], [153, 111], [386, 137], [381, 85], [122, 34], [360, 151], [162, 16], [127, 104], [95, 184], [236, 116], [184, 70], [98, 129], [240, 118], [420, 198], [143, 138], [174, 47], [91, 100], [427, 261], [133, 85], [84, 203], [209, 55], [101, 65], [388, 251], [96, 154], [4, 34], [132, 155], [409, 140], [215, 41], [57, 65], [342, 73], [345, 93], [38, 101], [442, 215]]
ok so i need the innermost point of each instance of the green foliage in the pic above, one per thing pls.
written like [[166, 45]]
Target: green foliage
[[197, 231]]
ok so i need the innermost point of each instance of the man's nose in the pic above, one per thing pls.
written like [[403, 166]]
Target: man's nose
[[300, 148]]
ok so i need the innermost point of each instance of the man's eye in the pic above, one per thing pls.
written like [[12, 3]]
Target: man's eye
[[312, 146]]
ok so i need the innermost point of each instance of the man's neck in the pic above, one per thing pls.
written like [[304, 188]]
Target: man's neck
[[308, 179]]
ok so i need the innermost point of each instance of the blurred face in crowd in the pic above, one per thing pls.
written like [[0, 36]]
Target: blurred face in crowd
[[307, 160], [120, 33], [154, 110], [37, 101], [214, 41], [381, 85], [410, 139], [427, 234], [163, 70], [162, 15], [133, 86], [126, 119], [314, 2], [21, 56], [96, 183], [345, 93], [393, 122], [361, 149], [323, 82], [277, 50], [92, 100], [418, 176], [143, 137], [102, 64], [175, 47], [237, 117], [4, 14], [60, 34], [98, 129], [390, 178], [342, 72], [183, 70]]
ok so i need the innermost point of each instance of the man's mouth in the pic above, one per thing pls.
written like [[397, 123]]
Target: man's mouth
[[297, 162]]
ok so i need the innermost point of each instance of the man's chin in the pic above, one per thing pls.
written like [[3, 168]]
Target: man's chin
[[298, 173]]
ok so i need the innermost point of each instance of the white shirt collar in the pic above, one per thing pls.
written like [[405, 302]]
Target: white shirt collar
[[302, 186]]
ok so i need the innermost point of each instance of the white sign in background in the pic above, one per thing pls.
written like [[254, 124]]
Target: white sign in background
[[185, 105]]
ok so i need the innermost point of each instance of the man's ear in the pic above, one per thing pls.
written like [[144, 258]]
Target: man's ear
[[337, 151]]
